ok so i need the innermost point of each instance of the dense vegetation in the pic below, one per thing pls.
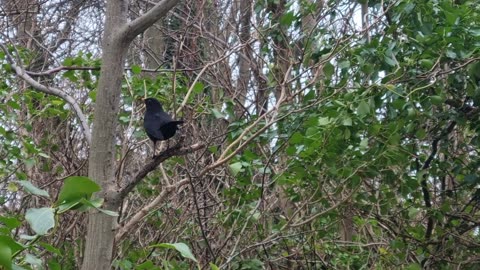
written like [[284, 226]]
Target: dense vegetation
[[317, 135]]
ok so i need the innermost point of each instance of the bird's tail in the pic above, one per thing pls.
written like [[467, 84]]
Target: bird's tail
[[178, 122]]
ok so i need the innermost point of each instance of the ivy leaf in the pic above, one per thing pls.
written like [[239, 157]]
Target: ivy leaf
[[235, 168]]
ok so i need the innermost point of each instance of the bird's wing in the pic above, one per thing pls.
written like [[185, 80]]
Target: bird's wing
[[163, 118], [153, 122], [169, 129]]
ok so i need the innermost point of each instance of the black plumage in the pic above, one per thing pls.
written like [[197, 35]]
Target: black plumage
[[158, 125]]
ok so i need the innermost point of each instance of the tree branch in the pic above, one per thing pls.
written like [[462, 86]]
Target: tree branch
[[176, 150], [51, 91], [140, 24], [147, 208], [424, 184]]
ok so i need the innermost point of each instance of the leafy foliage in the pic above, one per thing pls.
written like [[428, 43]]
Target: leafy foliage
[[348, 146]]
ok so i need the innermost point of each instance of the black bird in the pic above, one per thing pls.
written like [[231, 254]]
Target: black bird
[[158, 125]]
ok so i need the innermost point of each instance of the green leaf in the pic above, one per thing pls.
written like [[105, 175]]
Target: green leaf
[[213, 266], [41, 220], [146, 266], [33, 261], [54, 265], [390, 61], [68, 205], [363, 108], [29, 162], [13, 105], [421, 133], [30, 188], [28, 237], [413, 212], [12, 244], [136, 69], [347, 121], [75, 188], [198, 87], [235, 168], [426, 63], [296, 138], [414, 266], [12, 187], [436, 100], [56, 102], [43, 155], [344, 64], [96, 203], [323, 121], [180, 247], [474, 32], [213, 149], [50, 248], [7, 67], [471, 179], [328, 70], [287, 18], [217, 114], [364, 144], [68, 62], [451, 54], [10, 222], [5, 256], [70, 74]]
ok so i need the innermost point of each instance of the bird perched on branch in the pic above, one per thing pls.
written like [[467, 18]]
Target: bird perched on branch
[[158, 125]]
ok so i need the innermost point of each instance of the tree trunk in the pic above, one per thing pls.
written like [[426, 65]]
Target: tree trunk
[[118, 35], [101, 227]]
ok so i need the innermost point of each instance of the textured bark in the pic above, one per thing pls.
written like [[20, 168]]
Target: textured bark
[[101, 228]]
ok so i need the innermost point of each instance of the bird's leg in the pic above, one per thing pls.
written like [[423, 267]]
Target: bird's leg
[[154, 146]]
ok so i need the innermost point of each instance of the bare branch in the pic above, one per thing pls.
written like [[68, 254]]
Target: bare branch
[[137, 26], [147, 208], [51, 91], [176, 150]]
